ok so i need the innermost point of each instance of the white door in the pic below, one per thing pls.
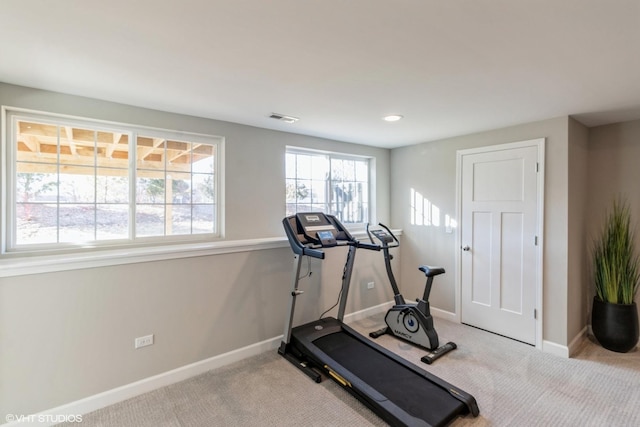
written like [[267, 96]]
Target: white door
[[499, 238]]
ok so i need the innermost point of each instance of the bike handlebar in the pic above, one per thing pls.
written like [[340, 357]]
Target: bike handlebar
[[395, 243]]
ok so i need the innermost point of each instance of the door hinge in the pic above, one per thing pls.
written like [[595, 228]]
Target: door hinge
[[535, 240], [535, 314], [537, 167]]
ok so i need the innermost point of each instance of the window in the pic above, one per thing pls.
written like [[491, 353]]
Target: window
[[327, 182], [72, 181]]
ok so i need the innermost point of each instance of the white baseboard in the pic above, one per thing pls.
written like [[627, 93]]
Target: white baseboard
[[565, 351], [547, 346], [119, 394], [443, 314], [576, 342], [574, 345], [556, 349], [54, 416], [384, 307], [368, 312]]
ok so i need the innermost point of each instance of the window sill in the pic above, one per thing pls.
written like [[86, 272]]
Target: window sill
[[26, 265], [20, 266]]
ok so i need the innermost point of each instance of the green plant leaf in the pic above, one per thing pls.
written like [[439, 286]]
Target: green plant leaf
[[615, 262]]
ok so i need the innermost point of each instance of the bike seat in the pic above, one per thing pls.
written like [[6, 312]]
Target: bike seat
[[431, 271]]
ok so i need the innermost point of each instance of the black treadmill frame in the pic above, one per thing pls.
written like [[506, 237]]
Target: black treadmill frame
[[298, 343]]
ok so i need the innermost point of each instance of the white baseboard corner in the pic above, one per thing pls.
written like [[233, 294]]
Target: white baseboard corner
[[562, 350], [59, 414], [577, 341], [555, 349]]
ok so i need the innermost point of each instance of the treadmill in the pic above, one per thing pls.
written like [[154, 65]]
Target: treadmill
[[398, 391]]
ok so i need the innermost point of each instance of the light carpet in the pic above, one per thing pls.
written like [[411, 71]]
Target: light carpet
[[513, 383]]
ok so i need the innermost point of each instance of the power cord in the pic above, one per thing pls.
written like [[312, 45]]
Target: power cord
[[344, 273], [309, 272], [333, 306]]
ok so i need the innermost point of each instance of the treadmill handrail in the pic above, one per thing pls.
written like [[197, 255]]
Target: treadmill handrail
[[316, 251], [371, 247], [297, 247]]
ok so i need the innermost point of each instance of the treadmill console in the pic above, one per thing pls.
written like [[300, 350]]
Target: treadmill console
[[326, 238], [309, 232], [318, 228]]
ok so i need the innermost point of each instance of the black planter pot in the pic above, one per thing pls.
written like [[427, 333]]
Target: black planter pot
[[615, 326]]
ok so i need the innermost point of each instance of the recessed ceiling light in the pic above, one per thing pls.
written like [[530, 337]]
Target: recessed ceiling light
[[393, 118]]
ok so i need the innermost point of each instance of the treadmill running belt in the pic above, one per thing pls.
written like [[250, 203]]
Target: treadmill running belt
[[413, 393]]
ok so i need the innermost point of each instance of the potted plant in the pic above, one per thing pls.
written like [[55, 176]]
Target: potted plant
[[614, 318]]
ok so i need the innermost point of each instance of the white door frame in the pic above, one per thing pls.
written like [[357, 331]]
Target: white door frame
[[540, 144]]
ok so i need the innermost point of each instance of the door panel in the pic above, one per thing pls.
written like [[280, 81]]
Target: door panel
[[497, 180], [511, 292], [499, 207], [481, 289]]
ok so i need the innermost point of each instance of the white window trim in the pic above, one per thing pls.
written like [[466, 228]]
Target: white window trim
[[6, 155], [371, 199]]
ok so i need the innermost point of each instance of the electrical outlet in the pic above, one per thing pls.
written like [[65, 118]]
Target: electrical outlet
[[143, 341], [371, 285]]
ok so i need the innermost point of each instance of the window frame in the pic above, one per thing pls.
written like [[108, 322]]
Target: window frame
[[370, 198], [10, 116]]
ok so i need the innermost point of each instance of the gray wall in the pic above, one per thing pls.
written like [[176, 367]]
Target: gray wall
[[578, 293], [585, 170], [68, 335], [430, 169], [614, 153]]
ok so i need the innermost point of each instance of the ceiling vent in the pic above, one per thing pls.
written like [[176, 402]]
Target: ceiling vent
[[283, 118]]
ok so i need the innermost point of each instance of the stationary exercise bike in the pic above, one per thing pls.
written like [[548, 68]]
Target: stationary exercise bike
[[410, 322]]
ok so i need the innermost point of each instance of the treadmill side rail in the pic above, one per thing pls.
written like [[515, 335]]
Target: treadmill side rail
[[298, 363]]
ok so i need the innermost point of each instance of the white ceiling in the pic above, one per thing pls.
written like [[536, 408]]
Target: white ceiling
[[451, 67]]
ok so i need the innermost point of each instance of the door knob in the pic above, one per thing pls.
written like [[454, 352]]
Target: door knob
[[466, 248]]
